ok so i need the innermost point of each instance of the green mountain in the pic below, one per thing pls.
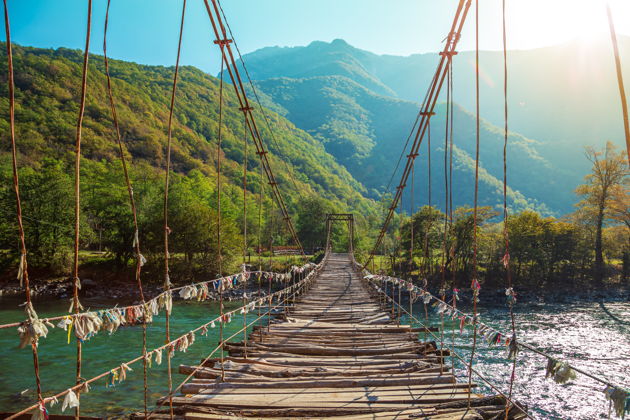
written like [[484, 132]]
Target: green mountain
[[47, 102], [365, 132], [365, 129], [47, 106]]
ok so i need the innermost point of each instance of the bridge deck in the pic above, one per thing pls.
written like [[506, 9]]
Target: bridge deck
[[337, 355]]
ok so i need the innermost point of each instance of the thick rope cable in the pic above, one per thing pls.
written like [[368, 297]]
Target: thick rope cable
[[119, 308], [166, 229], [411, 132], [622, 90], [77, 196], [255, 92], [434, 91], [241, 96], [475, 281], [23, 269]]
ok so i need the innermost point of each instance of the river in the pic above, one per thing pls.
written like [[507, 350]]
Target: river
[[592, 336]]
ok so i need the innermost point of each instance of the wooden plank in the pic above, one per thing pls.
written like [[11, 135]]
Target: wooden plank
[[336, 354]]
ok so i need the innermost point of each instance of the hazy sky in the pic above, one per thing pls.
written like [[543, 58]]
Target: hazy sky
[[145, 31]]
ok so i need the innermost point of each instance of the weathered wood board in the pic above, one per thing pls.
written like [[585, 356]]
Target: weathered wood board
[[335, 354]]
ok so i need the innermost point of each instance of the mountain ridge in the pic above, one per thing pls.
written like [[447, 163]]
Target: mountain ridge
[[563, 162]]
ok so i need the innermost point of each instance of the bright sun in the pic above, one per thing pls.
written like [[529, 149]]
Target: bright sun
[[554, 21]]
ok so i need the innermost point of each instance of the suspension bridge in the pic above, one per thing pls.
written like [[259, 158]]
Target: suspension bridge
[[324, 340]]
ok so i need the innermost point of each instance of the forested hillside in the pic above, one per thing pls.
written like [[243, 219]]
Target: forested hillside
[[47, 96], [366, 132], [561, 99]]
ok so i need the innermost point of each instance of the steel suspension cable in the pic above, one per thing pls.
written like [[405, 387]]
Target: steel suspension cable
[[167, 231], [77, 196], [23, 268], [622, 90], [475, 281]]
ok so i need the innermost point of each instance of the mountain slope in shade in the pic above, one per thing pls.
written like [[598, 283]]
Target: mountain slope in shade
[[366, 132]]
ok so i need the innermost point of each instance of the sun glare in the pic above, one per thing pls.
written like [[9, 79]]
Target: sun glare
[[546, 22]]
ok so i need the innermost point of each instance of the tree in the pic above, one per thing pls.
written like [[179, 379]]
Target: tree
[[620, 212], [311, 222], [427, 232], [609, 172]]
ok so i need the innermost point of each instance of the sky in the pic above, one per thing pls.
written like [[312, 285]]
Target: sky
[[145, 31]]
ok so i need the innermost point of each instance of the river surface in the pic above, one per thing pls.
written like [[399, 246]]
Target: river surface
[[593, 337]]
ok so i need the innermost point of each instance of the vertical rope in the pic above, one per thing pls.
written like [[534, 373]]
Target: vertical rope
[[271, 230], [427, 251], [219, 250], [475, 281], [450, 198], [136, 240], [260, 209], [506, 257], [399, 303], [23, 270], [167, 230], [411, 244], [445, 249], [77, 194], [622, 90], [245, 236]]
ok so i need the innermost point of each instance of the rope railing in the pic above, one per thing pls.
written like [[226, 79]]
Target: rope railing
[[493, 335], [300, 285], [186, 292], [187, 338], [454, 353]]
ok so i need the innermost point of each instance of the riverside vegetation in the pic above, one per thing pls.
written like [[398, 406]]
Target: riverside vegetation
[[589, 246]]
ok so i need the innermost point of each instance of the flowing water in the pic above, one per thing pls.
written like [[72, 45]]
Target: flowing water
[[594, 337]]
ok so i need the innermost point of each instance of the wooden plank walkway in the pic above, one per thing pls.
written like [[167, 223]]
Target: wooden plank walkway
[[337, 354]]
